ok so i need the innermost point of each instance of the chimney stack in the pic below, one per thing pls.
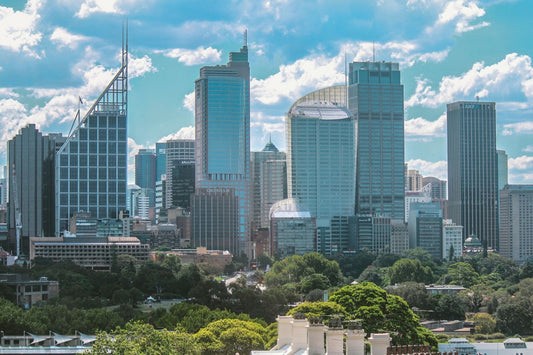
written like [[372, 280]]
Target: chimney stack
[[379, 343], [315, 335], [335, 337], [355, 338]]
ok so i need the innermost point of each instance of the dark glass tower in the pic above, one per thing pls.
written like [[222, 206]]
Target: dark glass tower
[[222, 116], [375, 97], [91, 166], [145, 172], [473, 169]]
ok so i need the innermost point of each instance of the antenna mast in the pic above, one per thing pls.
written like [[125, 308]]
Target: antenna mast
[[246, 37], [373, 51]]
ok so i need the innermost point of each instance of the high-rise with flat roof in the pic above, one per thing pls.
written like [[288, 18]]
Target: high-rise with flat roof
[[91, 166], [222, 124], [516, 222], [180, 160], [375, 97], [145, 172], [473, 169]]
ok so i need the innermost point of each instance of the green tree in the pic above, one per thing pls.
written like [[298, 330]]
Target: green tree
[[461, 273], [380, 311], [415, 294], [318, 309], [484, 323], [410, 270], [449, 307], [314, 281], [515, 318], [238, 335], [142, 339]]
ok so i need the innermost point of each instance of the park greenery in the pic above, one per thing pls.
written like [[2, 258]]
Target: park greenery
[[386, 292]]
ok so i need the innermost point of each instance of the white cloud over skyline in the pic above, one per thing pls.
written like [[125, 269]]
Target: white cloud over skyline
[[200, 55], [18, 31]]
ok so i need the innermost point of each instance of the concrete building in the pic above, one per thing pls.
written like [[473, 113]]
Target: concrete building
[[199, 256], [415, 197], [516, 222], [160, 159], [91, 166], [222, 124], [438, 188], [511, 346], [425, 228], [399, 237], [30, 156], [28, 293], [473, 169], [165, 235], [413, 181], [375, 97], [321, 160], [94, 253], [292, 229], [452, 236], [268, 182]]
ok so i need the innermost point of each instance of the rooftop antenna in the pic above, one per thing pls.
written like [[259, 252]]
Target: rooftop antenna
[[246, 37], [270, 138], [373, 51]]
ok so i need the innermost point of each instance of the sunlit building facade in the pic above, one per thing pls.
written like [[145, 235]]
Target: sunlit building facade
[[91, 166]]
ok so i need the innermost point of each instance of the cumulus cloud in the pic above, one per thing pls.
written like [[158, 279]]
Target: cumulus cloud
[[523, 162], [438, 169], [512, 75], [420, 127], [63, 38], [462, 13], [89, 7], [196, 56], [18, 31], [184, 133], [525, 127], [267, 124], [188, 101], [139, 66]]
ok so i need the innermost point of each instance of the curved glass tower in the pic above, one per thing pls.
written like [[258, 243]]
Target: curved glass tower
[[321, 160], [91, 166]]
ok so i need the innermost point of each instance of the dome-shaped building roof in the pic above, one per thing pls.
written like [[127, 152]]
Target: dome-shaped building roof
[[289, 208]]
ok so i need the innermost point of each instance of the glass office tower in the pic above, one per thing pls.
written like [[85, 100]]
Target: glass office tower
[[473, 169], [91, 166], [222, 116], [375, 97], [321, 158]]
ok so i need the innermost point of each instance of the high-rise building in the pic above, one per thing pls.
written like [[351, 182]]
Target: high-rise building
[[321, 152], [516, 222], [268, 182], [145, 172], [375, 97], [222, 124], [30, 156], [413, 180], [161, 160], [91, 166], [473, 169], [425, 228], [452, 240], [503, 170], [438, 188], [180, 159]]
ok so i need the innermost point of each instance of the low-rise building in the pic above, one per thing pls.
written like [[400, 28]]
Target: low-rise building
[[92, 252], [511, 346], [28, 292], [198, 255]]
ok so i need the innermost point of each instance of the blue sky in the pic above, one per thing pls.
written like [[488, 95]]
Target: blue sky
[[54, 51]]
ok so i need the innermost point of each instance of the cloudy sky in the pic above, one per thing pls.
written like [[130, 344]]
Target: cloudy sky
[[54, 51]]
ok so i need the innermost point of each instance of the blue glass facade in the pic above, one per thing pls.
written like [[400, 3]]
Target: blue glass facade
[[375, 97], [145, 172], [222, 115], [91, 166]]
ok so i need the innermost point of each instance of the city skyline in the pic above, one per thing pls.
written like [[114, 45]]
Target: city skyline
[[54, 53]]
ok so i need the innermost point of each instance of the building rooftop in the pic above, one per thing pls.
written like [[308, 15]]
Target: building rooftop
[[289, 208], [324, 110]]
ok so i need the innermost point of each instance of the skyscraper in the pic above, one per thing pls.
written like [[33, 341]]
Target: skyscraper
[[503, 170], [222, 124], [145, 172], [473, 170], [321, 152], [268, 182], [161, 159], [30, 156], [91, 166], [178, 152], [375, 97], [516, 222]]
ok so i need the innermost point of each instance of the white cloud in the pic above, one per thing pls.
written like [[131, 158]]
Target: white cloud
[[18, 31], [267, 124], [525, 127], [461, 12], [196, 56], [438, 169], [63, 38], [184, 133], [523, 162], [139, 66], [512, 75], [188, 101], [89, 7], [420, 127]]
